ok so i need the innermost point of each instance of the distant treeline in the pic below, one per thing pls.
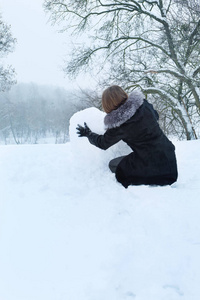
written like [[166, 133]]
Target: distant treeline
[[32, 114]]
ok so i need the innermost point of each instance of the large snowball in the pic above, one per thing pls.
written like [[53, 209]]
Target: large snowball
[[94, 119], [85, 153]]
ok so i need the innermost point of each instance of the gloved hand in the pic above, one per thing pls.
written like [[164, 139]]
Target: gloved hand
[[83, 131]]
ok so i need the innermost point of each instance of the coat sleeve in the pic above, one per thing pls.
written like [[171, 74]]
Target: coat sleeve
[[111, 137]]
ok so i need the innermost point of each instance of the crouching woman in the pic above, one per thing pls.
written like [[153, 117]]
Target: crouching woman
[[134, 120]]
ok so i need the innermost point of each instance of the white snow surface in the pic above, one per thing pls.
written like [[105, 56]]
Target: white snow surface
[[70, 231]]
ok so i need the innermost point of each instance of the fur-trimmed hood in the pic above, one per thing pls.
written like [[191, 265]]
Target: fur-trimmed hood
[[124, 112]]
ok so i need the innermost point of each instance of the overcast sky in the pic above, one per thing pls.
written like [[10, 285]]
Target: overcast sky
[[40, 49]]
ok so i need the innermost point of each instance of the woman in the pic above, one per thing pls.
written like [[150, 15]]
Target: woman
[[134, 120]]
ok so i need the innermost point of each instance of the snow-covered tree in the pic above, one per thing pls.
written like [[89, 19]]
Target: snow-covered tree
[[7, 42], [153, 44]]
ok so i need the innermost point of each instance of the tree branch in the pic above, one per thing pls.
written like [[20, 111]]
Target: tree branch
[[191, 38], [176, 74], [196, 72]]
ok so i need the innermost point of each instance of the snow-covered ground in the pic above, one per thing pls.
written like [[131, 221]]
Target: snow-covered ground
[[69, 231]]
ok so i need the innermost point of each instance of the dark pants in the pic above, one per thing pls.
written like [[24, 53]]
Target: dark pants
[[113, 164]]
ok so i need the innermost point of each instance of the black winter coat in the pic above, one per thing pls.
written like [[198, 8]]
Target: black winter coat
[[153, 160]]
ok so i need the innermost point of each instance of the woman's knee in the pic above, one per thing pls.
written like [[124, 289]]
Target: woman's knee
[[113, 164]]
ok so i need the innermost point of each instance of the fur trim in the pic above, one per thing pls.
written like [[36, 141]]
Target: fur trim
[[124, 112]]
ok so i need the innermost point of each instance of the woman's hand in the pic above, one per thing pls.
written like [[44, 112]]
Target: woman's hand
[[83, 131]]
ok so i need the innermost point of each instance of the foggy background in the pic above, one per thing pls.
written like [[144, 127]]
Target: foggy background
[[37, 109]]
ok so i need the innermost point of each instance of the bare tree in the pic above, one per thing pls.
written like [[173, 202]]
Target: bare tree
[[7, 42], [30, 113], [153, 44], [87, 98]]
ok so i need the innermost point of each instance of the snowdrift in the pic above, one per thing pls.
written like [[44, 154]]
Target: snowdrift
[[68, 230]]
